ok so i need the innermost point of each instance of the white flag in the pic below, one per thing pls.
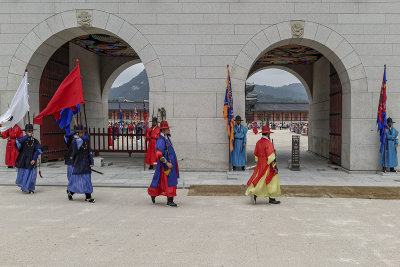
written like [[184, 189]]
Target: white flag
[[18, 107]]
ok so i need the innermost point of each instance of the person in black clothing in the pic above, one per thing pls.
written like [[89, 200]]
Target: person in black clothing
[[29, 150], [80, 181]]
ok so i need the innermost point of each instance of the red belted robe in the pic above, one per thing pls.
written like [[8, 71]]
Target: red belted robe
[[152, 135], [11, 152], [264, 182]]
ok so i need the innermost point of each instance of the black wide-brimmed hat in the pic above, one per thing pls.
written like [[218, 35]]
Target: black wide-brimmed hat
[[238, 118], [154, 119], [29, 127], [79, 128], [389, 120]]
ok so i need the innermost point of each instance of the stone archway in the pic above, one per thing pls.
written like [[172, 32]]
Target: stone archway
[[334, 48], [38, 46]]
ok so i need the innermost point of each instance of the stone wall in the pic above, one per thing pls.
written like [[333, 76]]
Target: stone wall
[[186, 46]]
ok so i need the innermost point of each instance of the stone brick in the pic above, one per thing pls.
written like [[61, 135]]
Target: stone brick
[[205, 8], [114, 24], [153, 68], [239, 19], [138, 42], [218, 50], [147, 54], [171, 50], [249, 29], [361, 18], [179, 39], [258, 8], [206, 29], [16, 28], [179, 72], [157, 84], [158, 29], [69, 19], [127, 31], [211, 72], [261, 41], [100, 19], [272, 34], [215, 61], [195, 85], [244, 61], [194, 105], [145, 8], [180, 18], [180, 61], [311, 8], [203, 130]]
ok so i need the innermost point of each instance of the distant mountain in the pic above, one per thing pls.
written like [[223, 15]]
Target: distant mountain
[[292, 93], [136, 89]]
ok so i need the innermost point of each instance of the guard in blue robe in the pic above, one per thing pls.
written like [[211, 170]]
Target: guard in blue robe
[[166, 175], [80, 181], [389, 157], [29, 150], [68, 138], [238, 154]]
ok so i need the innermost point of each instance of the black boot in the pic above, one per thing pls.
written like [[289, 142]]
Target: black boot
[[273, 201], [153, 199], [234, 168], [171, 202], [243, 168], [253, 199], [69, 194], [151, 167], [89, 198], [392, 170]]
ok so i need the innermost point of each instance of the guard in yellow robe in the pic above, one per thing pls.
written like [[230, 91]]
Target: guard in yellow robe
[[264, 182]]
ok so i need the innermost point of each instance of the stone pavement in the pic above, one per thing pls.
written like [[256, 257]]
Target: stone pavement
[[123, 228], [128, 172]]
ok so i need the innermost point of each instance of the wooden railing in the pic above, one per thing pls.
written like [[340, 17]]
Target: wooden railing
[[102, 141]]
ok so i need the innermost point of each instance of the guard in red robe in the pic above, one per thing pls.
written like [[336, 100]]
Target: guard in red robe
[[255, 128], [166, 175], [152, 135], [110, 136], [11, 135]]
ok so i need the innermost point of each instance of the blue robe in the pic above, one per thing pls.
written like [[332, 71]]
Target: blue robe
[[391, 154], [68, 138], [238, 154], [29, 149], [169, 156], [82, 157]]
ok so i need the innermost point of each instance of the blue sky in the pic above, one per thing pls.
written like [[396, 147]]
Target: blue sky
[[271, 77]]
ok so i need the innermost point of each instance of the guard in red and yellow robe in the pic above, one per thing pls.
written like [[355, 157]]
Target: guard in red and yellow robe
[[264, 182], [152, 135], [11, 135]]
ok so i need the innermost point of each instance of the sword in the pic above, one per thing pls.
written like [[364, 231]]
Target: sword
[[96, 171]]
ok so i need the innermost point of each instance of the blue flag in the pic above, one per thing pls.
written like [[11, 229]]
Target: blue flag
[[66, 116], [120, 112]]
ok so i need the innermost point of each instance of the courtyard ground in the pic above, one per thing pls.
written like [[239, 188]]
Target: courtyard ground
[[123, 228]]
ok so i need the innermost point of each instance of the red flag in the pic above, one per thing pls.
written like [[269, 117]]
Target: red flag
[[68, 94]]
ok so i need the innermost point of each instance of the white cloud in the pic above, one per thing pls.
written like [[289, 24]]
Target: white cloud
[[128, 74], [273, 77]]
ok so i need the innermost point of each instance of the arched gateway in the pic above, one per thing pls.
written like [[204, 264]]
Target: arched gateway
[[105, 45], [331, 79]]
